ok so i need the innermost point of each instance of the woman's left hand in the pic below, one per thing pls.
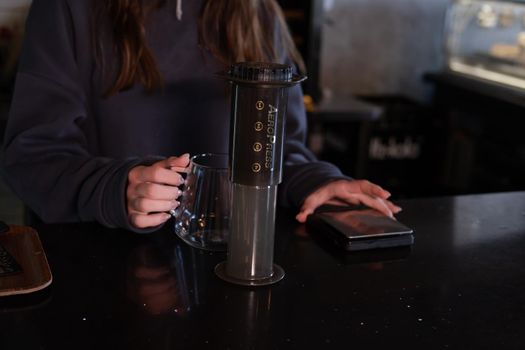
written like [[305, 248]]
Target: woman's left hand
[[357, 192]]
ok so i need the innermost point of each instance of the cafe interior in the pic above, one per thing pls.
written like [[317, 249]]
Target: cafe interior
[[425, 98]]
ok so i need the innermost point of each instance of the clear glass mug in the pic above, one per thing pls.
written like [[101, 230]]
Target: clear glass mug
[[202, 219]]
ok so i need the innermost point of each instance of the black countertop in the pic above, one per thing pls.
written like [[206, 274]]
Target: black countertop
[[461, 286]]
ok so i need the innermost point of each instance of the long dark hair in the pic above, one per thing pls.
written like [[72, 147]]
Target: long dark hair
[[232, 30]]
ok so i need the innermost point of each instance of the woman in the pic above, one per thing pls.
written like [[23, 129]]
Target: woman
[[108, 91]]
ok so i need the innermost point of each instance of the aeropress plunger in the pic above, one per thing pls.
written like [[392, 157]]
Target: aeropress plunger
[[259, 98]]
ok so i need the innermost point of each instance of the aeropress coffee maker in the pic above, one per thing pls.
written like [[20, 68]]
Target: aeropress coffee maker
[[259, 97]]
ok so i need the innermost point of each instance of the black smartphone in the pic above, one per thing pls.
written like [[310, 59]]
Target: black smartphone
[[360, 228]]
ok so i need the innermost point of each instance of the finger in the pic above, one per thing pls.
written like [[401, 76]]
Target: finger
[[147, 205], [393, 207], [180, 162], [134, 174], [337, 202], [372, 189], [157, 191], [180, 169], [143, 220], [372, 202], [160, 175], [313, 201], [357, 200]]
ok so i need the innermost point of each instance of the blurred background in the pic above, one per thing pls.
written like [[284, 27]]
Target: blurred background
[[425, 97], [12, 19]]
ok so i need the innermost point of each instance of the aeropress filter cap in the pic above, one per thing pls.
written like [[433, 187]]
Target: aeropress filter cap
[[262, 73]]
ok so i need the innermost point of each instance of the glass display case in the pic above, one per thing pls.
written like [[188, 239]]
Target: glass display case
[[486, 39]]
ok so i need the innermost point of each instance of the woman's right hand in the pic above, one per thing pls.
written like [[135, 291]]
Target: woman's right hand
[[153, 191]]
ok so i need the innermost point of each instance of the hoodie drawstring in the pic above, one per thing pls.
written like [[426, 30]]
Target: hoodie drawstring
[[179, 10]]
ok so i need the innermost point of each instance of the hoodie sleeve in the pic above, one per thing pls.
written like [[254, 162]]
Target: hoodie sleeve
[[303, 173], [46, 159]]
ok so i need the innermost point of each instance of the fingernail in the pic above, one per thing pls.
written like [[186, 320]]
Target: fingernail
[[179, 192], [166, 217], [187, 155]]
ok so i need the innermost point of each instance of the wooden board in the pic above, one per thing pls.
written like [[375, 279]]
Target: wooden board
[[24, 245]]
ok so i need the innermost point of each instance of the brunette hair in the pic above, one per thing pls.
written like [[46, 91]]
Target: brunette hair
[[232, 30]]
